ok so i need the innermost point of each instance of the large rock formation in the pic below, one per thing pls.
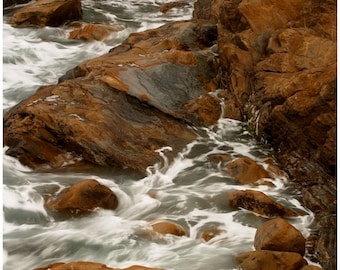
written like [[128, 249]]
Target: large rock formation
[[278, 64], [120, 108]]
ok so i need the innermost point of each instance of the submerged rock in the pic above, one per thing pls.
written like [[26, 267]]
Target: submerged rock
[[47, 13], [259, 203], [168, 227]]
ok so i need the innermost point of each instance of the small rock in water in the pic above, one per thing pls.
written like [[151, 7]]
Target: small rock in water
[[246, 171], [259, 203], [83, 197], [168, 227]]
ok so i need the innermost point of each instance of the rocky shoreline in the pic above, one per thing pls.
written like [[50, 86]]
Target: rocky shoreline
[[277, 72]]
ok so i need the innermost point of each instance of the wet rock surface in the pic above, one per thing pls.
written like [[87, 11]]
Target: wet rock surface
[[259, 203], [83, 197], [279, 74], [277, 71], [279, 235], [270, 260], [47, 13], [82, 265]]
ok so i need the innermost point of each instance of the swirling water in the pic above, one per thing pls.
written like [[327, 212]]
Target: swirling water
[[189, 190]]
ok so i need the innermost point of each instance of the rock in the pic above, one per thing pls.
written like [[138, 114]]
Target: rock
[[100, 125], [168, 227], [311, 267], [93, 31], [155, 66], [167, 6], [270, 260], [246, 171], [279, 235], [89, 266], [83, 197], [278, 72], [125, 105], [259, 203], [8, 3], [47, 13], [210, 233]]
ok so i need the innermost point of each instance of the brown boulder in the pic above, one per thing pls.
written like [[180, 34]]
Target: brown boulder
[[83, 197], [247, 171], [93, 31], [259, 203], [210, 233], [279, 235], [168, 227], [89, 266], [47, 13], [270, 260], [47, 129]]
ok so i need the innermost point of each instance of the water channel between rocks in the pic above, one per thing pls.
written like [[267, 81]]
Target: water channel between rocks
[[190, 190]]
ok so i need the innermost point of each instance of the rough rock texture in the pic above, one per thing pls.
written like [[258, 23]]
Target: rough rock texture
[[121, 107], [83, 197], [270, 260], [92, 31], [89, 266], [47, 13], [278, 68], [168, 227], [279, 235], [247, 171], [259, 203]]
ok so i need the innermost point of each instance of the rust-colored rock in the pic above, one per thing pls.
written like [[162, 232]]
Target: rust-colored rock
[[247, 171], [83, 197], [176, 4], [279, 235], [94, 31], [168, 227], [82, 265], [47, 13], [210, 233], [259, 203], [278, 60], [270, 260], [125, 104]]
